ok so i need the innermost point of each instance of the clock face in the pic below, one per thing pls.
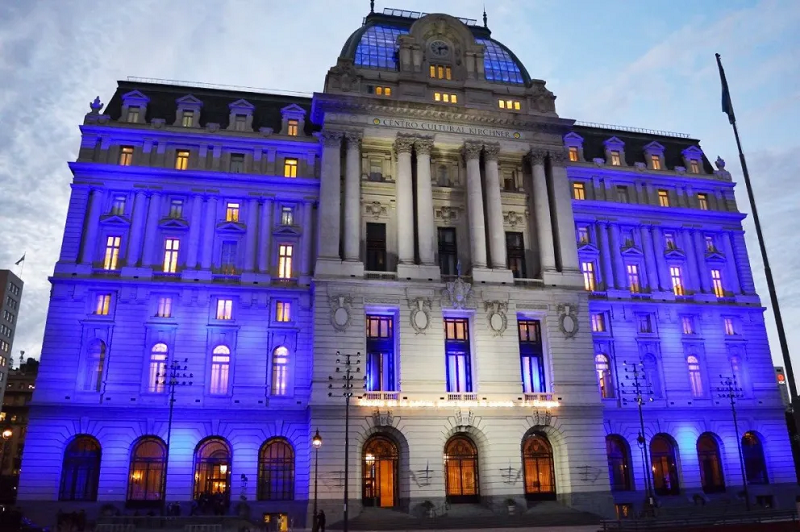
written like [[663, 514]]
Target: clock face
[[439, 48]]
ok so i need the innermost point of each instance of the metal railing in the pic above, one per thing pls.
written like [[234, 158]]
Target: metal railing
[[461, 396], [633, 129], [203, 85], [714, 520], [381, 396]]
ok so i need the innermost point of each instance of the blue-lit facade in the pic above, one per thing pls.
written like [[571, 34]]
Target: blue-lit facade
[[499, 278]]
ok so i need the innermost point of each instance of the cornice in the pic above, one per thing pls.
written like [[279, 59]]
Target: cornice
[[586, 170], [601, 209]]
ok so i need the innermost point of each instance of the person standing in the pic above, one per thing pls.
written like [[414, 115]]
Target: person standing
[[321, 521]]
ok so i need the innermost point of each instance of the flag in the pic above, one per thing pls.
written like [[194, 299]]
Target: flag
[[727, 105], [22, 259]]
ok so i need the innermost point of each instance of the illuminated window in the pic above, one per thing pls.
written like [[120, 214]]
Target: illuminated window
[[118, 205], [290, 168], [677, 280], [583, 234], [232, 212], [445, 97], [181, 159], [457, 349], [171, 247], [716, 283], [156, 380], [240, 122], [148, 461], [276, 471], [694, 166], [694, 376], [578, 191], [102, 304], [440, 72], [95, 363], [164, 309], [730, 329], [112, 253], [687, 323], [710, 245], [603, 371], [598, 322], [573, 154], [237, 163], [633, 278], [656, 161], [224, 309], [133, 114], [283, 311], [663, 198], [669, 241], [280, 362], [220, 368], [587, 267], [126, 156], [380, 353], [702, 201], [176, 209], [285, 261], [291, 127], [287, 215], [615, 159], [227, 260], [383, 91], [187, 119], [511, 105], [532, 356]]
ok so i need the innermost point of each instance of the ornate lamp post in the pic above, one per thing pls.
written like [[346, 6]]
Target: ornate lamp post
[[730, 389], [316, 441], [7, 433], [174, 375], [638, 387]]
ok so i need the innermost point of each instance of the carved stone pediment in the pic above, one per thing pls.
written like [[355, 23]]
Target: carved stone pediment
[[231, 227], [115, 219], [173, 223], [287, 230], [376, 209]]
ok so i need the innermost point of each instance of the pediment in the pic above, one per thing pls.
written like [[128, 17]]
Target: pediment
[[230, 227], [674, 253], [293, 110], [654, 147], [114, 219], [287, 230], [715, 256], [613, 142], [573, 139], [241, 104], [632, 251], [173, 223], [189, 100], [692, 152], [587, 247], [135, 97]]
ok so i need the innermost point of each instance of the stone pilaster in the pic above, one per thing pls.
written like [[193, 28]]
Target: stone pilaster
[[352, 198], [209, 230], [90, 231], [265, 235], [330, 196], [151, 245], [137, 229]]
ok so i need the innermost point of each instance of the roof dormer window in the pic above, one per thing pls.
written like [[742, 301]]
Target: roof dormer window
[[440, 72], [694, 166], [134, 107], [240, 122], [615, 158], [655, 160], [511, 105], [133, 114], [573, 154]]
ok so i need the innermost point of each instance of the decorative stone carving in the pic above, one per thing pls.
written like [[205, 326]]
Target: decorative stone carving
[[404, 144], [382, 419], [96, 106], [447, 214], [457, 294], [491, 151], [568, 319], [513, 218], [599, 161], [265, 131], [680, 169], [340, 311], [559, 157], [721, 172], [331, 138], [423, 145], [496, 316], [420, 314], [464, 418], [353, 138], [640, 166], [536, 156], [212, 127], [349, 79], [471, 150], [376, 209], [542, 418]]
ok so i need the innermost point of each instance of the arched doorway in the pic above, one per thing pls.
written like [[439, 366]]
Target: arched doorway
[[146, 479], [212, 468], [753, 454], [619, 463], [379, 487], [537, 460], [665, 465], [710, 464], [461, 470], [80, 472]]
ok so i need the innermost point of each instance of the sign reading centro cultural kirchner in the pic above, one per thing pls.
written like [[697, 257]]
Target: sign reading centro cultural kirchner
[[433, 127]]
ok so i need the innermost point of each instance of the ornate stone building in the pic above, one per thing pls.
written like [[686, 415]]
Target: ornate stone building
[[491, 269]]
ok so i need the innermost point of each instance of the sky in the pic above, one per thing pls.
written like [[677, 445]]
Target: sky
[[646, 64]]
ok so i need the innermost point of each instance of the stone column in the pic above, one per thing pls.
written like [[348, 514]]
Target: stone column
[[494, 208], [352, 198], [137, 229], [92, 221], [745, 272], [477, 228], [208, 233], [730, 259], [650, 259], [151, 246], [425, 224], [663, 269], [691, 260], [541, 207], [252, 234], [307, 267], [702, 270], [265, 234], [405, 201], [330, 196], [620, 274], [605, 256], [195, 224], [565, 221]]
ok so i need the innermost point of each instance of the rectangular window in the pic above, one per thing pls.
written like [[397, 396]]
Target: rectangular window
[[240, 122], [459, 371], [181, 159], [224, 309], [237, 163], [164, 309], [677, 280], [220, 366], [663, 198], [615, 158], [283, 311], [716, 283], [573, 154], [515, 251], [633, 278], [291, 127], [287, 215], [171, 247], [448, 253], [102, 304], [687, 325], [510, 105], [578, 191], [285, 261], [702, 202], [645, 323], [440, 72], [176, 209], [383, 91], [532, 357], [126, 156], [445, 97], [232, 212], [622, 194], [710, 246], [380, 354], [730, 329], [598, 322], [656, 161], [583, 234], [376, 247], [133, 114], [187, 119], [694, 166], [669, 241], [589, 281], [227, 259], [112, 253], [118, 205], [375, 170], [289, 167]]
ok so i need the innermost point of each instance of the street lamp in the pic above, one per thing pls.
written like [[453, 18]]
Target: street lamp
[[7, 433], [730, 389], [172, 377], [638, 387], [316, 441]]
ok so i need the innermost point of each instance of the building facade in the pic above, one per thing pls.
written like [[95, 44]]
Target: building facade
[[10, 300], [13, 425], [485, 269]]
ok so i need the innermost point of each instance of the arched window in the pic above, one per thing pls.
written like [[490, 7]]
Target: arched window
[[380, 472], [81, 470], [651, 375], [280, 373], [156, 378], [212, 468], [276, 471], [146, 479], [220, 368], [754, 464], [695, 379], [95, 362], [603, 369], [619, 463], [540, 478], [461, 470], [710, 464], [664, 465]]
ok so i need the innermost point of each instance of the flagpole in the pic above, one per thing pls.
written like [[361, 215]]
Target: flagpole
[[773, 296]]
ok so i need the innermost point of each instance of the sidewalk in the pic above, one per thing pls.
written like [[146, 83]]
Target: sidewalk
[[582, 528]]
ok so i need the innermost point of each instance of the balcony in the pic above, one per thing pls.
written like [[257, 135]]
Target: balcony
[[528, 283], [462, 396], [380, 276], [538, 397], [381, 396]]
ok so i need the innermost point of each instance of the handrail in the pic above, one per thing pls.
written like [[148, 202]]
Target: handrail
[[634, 524]]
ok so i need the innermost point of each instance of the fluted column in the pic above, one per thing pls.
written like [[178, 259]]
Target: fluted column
[[265, 234], [733, 267], [195, 224], [137, 229], [405, 201], [541, 207], [605, 256], [425, 224], [620, 275], [330, 195], [565, 220], [663, 270], [650, 259], [477, 227], [210, 218], [252, 234], [307, 267], [691, 259], [90, 230], [352, 198], [702, 270], [151, 246], [494, 208]]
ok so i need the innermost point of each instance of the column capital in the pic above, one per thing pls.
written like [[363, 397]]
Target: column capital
[[331, 138], [423, 145], [353, 139], [404, 144], [471, 150], [491, 151], [537, 156], [558, 157]]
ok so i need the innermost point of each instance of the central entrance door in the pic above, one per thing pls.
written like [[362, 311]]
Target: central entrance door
[[380, 472], [461, 470]]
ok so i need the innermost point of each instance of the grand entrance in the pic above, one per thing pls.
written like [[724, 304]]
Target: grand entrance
[[380, 472], [461, 470], [212, 461], [540, 479]]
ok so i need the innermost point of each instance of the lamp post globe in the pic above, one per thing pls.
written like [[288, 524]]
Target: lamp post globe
[[7, 434], [316, 441]]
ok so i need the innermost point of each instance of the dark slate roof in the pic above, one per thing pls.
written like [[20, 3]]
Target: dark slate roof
[[594, 137], [267, 112]]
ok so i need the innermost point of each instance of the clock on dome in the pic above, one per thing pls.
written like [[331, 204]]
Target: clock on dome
[[439, 48]]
